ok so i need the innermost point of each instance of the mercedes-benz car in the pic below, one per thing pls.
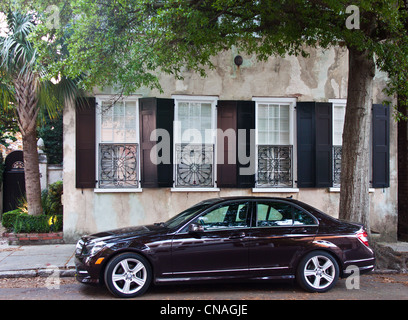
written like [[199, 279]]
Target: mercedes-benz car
[[227, 239]]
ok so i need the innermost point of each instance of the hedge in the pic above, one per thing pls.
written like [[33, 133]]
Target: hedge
[[18, 222], [9, 218]]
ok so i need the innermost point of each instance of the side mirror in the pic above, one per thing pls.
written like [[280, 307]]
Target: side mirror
[[194, 228]]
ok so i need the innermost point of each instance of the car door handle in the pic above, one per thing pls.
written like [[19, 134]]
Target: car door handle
[[299, 230], [238, 235]]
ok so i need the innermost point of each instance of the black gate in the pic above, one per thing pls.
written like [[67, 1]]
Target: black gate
[[13, 182]]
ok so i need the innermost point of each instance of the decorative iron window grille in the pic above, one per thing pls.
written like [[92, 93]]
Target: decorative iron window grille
[[336, 165], [118, 165], [194, 165], [274, 166]]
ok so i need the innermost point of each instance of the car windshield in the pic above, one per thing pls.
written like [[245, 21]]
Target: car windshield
[[185, 215]]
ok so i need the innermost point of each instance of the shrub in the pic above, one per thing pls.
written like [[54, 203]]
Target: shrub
[[41, 224], [51, 221], [9, 218], [17, 221], [51, 198]]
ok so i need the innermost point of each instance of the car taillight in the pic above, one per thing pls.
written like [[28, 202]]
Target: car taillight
[[363, 236]]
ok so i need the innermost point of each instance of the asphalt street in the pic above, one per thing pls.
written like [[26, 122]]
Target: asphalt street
[[369, 287]]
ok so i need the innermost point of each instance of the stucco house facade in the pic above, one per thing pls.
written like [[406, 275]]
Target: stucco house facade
[[269, 128]]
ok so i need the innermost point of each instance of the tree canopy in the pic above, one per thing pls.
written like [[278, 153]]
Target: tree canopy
[[127, 44], [26, 88]]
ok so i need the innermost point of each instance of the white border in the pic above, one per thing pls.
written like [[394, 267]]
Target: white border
[[292, 140], [99, 99], [201, 99]]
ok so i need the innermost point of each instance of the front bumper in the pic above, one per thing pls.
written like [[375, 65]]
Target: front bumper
[[86, 270]]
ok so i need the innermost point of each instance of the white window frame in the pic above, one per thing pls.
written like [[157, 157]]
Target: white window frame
[[342, 103], [213, 100], [98, 124], [336, 103], [292, 141]]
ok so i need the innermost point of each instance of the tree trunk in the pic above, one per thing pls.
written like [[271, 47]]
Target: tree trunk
[[355, 159], [27, 111], [32, 174]]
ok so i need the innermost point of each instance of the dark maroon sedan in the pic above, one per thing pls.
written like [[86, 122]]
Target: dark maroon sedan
[[225, 239]]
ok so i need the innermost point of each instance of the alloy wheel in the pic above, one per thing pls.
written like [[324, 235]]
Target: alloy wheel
[[319, 272], [129, 276]]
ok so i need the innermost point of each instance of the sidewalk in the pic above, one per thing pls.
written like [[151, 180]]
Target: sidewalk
[[36, 260]]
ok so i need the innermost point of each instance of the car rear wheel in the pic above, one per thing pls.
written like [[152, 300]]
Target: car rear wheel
[[318, 271], [128, 275]]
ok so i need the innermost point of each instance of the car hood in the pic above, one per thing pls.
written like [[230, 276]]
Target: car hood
[[124, 233]]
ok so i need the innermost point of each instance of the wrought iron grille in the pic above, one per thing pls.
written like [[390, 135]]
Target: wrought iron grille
[[336, 165], [194, 165], [118, 165], [274, 166]]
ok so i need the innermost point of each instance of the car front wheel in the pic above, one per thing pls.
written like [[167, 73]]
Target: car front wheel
[[128, 275], [318, 271]]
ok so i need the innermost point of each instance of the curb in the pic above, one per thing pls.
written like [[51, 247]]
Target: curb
[[31, 273]]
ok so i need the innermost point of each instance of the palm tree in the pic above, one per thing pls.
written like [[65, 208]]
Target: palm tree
[[30, 93]]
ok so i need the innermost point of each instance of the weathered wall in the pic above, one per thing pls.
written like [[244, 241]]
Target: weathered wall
[[320, 77]]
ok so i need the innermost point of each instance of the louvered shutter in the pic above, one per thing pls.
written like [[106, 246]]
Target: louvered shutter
[[246, 121], [155, 113], [314, 144], [226, 120], [381, 146], [85, 143]]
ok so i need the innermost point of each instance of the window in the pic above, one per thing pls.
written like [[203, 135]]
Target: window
[[271, 214], [118, 145], [225, 217], [274, 214], [339, 110], [194, 143], [274, 142], [302, 218]]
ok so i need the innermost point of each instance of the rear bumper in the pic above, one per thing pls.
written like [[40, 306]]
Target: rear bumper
[[362, 265]]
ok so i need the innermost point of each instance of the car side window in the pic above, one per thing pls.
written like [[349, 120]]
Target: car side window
[[227, 216], [302, 218], [273, 214]]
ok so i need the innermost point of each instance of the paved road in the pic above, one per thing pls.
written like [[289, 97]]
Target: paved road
[[372, 287]]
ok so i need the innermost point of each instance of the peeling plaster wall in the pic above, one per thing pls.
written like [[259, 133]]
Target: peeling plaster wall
[[320, 77]]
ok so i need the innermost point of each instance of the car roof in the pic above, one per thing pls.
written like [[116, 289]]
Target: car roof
[[221, 199]]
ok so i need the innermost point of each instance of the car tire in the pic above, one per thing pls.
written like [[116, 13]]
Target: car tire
[[128, 275], [318, 271]]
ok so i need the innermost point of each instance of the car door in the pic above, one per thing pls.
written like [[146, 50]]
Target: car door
[[281, 231], [219, 249]]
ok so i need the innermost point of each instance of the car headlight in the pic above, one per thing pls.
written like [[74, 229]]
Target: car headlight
[[94, 247]]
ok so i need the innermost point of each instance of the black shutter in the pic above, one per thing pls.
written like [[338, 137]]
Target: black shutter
[[246, 121], [164, 120], [85, 143], [147, 120], [324, 144], [381, 146], [306, 144], [314, 143], [226, 119], [154, 114]]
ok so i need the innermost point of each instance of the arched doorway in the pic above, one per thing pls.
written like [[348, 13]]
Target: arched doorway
[[13, 182]]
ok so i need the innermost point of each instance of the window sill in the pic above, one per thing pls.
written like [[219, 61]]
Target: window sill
[[195, 189], [370, 190], [117, 190], [276, 190]]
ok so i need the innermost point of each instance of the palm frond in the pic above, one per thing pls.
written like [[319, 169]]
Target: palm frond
[[6, 96], [19, 59], [17, 55]]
